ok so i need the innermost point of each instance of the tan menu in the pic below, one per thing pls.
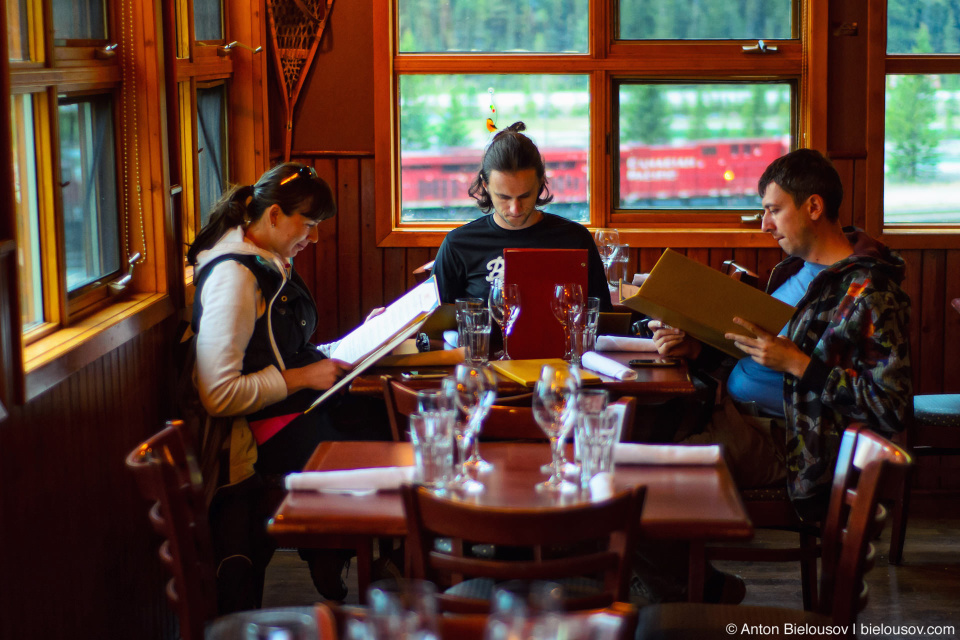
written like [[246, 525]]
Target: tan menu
[[703, 301]]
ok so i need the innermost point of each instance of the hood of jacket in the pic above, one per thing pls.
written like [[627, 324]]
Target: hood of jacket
[[867, 252]]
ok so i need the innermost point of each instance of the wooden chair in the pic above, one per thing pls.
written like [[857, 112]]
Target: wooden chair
[[870, 469], [934, 430], [741, 273], [596, 537], [422, 272], [167, 472], [510, 419]]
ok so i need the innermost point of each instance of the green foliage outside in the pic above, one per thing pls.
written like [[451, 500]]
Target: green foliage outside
[[911, 113]]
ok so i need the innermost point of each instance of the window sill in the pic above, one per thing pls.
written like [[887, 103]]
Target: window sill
[[648, 236], [52, 359]]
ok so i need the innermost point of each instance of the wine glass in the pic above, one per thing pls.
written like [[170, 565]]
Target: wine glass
[[504, 308], [607, 240], [567, 306], [475, 389], [554, 403]]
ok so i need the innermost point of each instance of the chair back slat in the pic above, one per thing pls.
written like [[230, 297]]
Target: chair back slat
[[595, 538], [166, 471], [869, 469]]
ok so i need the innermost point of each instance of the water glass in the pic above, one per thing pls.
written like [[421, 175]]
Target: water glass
[[477, 332], [526, 609], [607, 241], [504, 308], [591, 315], [617, 267], [282, 623], [462, 305], [402, 609], [431, 400], [596, 436], [431, 434]]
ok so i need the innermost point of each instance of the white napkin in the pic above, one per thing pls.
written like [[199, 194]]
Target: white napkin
[[666, 454], [639, 279], [601, 364], [623, 343], [601, 486], [350, 480], [450, 339]]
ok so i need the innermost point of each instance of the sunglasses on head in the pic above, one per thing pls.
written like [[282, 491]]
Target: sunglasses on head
[[303, 172]]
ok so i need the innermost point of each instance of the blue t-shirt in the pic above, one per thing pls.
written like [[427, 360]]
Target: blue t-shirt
[[750, 381]]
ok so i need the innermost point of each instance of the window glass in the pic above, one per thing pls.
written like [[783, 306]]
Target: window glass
[[506, 26], [79, 20], [88, 182], [699, 145], [211, 135], [443, 132], [28, 215], [922, 149], [18, 42], [207, 20], [706, 19], [923, 26]]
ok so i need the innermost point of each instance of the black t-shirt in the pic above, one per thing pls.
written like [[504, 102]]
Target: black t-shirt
[[471, 256]]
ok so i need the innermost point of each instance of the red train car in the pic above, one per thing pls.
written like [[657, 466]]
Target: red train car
[[713, 172]]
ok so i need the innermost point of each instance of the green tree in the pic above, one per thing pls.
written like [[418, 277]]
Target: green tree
[[414, 121], [698, 119], [453, 129], [753, 112], [645, 116], [911, 110]]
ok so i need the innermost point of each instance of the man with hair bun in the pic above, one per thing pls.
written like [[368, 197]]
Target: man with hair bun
[[511, 185]]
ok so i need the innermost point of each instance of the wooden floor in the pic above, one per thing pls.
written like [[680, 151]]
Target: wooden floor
[[924, 590]]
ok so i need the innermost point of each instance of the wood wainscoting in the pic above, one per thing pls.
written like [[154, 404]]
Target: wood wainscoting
[[350, 275], [78, 556]]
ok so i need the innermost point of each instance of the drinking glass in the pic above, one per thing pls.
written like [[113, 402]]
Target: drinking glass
[[526, 609], [434, 400], [475, 389], [567, 307], [504, 308], [591, 316], [606, 239], [289, 623], [617, 266], [462, 305], [402, 609], [431, 434], [554, 402], [477, 331]]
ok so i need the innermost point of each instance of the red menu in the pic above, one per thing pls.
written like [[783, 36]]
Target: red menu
[[536, 332]]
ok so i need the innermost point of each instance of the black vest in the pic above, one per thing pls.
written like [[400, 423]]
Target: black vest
[[293, 316]]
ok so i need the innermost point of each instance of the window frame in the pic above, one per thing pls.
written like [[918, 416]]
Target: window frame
[[880, 64], [80, 328], [609, 61]]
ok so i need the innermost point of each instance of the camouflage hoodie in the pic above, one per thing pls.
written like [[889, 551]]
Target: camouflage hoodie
[[853, 321]]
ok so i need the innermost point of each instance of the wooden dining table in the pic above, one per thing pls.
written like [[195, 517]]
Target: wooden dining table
[[652, 385], [696, 504]]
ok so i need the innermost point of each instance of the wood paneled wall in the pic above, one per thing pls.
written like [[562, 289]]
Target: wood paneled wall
[[78, 556]]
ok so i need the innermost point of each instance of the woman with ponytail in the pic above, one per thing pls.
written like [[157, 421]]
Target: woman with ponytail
[[253, 317]]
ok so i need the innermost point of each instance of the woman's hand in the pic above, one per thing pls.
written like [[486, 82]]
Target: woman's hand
[[320, 375], [673, 342]]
